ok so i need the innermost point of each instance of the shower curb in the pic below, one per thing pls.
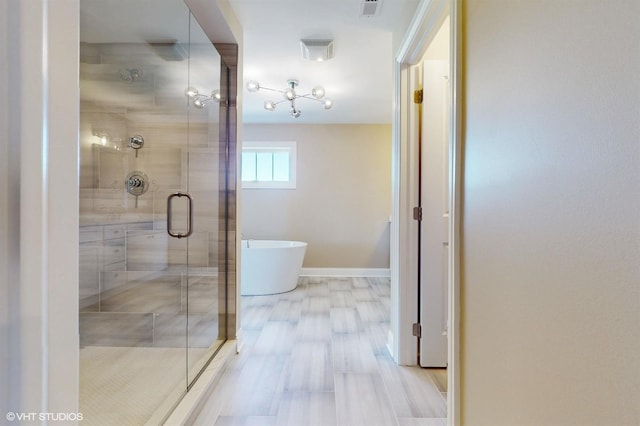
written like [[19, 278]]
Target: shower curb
[[191, 403]]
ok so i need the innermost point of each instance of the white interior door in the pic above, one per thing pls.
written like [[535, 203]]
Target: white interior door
[[434, 244]]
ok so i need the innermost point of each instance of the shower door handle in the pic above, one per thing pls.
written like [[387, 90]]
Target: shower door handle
[[189, 215]]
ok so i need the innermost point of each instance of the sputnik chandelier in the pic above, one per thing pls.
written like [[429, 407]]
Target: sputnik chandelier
[[199, 100], [290, 95]]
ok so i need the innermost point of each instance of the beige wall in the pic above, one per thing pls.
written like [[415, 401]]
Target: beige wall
[[551, 201], [342, 202]]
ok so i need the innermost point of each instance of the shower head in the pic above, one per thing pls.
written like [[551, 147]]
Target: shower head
[[169, 50], [130, 74]]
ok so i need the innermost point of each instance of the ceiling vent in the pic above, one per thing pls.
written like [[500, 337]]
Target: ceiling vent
[[370, 8], [317, 50]]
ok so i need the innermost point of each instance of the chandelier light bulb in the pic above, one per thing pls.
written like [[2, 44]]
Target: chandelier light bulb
[[295, 113], [253, 86], [191, 92], [328, 103], [290, 94], [269, 105], [318, 92], [216, 96], [199, 103]]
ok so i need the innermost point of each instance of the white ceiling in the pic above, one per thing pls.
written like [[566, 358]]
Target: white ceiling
[[358, 79]]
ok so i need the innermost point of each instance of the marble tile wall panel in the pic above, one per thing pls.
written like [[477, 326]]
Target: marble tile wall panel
[[102, 83], [162, 165], [112, 280], [180, 330], [203, 169], [139, 226], [116, 329], [89, 53], [113, 253], [151, 111], [147, 250], [213, 249], [90, 268], [112, 204], [177, 134], [202, 294], [164, 294], [86, 202], [202, 330], [112, 167], [196, 247], [205, 212], [89, 303], [169, 330], [95, 120]]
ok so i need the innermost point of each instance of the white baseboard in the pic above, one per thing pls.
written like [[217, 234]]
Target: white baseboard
[[239, 340], [345, 272], [390, 344]]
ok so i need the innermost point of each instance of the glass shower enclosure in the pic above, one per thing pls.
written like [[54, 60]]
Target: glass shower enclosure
[[154, 218]]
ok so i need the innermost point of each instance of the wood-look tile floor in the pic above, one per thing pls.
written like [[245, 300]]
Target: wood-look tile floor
[[316, 356]]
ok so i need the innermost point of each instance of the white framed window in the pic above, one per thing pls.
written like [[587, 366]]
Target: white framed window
[[269, 165]]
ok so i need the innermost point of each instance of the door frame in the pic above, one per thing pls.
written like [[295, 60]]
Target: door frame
[[402, 344]]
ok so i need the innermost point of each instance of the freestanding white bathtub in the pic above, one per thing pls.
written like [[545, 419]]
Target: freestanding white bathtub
[[270, 266]]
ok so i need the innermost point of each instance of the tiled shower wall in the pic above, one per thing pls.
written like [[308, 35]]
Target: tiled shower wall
[[125, 248]]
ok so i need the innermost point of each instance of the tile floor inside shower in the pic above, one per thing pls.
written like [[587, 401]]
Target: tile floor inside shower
[[133, 357]]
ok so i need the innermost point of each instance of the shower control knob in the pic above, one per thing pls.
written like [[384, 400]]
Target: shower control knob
[[136, 141], [137, 183]]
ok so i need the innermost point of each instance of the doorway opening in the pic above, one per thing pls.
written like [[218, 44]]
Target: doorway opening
[[430, 51]]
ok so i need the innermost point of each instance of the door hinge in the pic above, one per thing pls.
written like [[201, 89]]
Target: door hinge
[[417, 213], [417, 329], [417, 96]]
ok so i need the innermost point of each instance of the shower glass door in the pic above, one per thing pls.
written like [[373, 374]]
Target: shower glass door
[[205, 160], [152, 295]]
